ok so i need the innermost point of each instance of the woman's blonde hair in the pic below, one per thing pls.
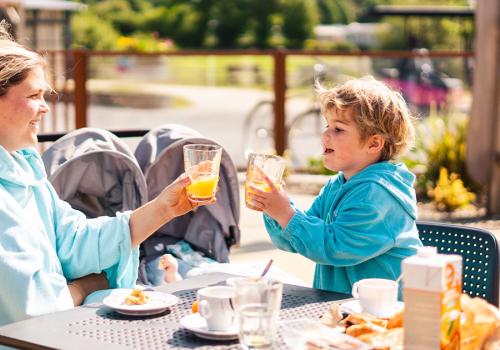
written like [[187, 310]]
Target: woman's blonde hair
[[16, 61], [376, 109]]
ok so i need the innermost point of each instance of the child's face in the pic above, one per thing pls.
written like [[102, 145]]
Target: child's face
[[343, 149]]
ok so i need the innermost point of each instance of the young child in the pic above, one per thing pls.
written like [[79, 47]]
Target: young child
[[168, 263], [362, 224]]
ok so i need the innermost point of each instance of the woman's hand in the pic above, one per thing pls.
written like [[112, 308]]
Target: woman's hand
[[81, 287], [174, 198], [274, 202], [170, 203]]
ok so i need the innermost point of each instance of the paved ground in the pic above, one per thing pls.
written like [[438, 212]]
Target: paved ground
[[256, 245], [216, 112]]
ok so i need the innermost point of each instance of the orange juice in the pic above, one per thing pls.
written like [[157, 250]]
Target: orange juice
[[432, 289], [202, 187]]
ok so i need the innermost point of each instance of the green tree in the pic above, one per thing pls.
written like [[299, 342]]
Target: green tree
[[121, 15], [231, 21], [91, 32], [195, 17], [335, 11], [261, 12], [299, 18], [178, 22]]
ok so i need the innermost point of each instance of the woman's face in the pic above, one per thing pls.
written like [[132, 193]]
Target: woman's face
[[21, 110]]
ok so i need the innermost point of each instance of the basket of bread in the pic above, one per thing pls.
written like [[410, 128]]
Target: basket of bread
[[479, 326]]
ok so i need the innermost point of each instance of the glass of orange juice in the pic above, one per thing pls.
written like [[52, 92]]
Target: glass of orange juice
[[273, 166], [202, 163]]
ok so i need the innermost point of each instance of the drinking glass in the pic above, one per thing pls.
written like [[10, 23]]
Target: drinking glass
[[257, 304], [202, 163], [255, 326], [273, 166]]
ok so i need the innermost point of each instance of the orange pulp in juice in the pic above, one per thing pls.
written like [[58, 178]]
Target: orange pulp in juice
[[202, 187]]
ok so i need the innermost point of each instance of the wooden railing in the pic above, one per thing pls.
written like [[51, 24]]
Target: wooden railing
[[78, 94]]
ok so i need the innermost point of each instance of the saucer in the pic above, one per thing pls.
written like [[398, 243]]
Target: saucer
[[197, 324], [354, 307], [158, 302]]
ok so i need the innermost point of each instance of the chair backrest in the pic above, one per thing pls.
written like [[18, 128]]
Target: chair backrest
[[479, 250]]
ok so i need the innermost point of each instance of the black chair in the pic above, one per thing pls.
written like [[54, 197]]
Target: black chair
[[479, 250]]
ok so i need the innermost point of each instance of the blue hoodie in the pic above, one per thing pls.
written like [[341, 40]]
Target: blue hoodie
[[44, 242], [355, 229]]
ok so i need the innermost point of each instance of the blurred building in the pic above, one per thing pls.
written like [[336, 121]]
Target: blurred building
[[40, 24], [364, 35]]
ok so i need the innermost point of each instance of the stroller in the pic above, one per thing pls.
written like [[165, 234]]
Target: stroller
[[210, 230], [95, 172]]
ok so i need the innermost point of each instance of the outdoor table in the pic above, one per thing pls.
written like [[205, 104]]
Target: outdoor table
[[96, 326]]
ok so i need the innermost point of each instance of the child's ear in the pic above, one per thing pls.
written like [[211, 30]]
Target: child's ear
[[375, 144]]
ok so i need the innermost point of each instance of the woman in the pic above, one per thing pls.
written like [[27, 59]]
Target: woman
[[44, 243]]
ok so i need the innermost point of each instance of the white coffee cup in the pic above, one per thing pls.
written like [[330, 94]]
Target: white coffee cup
[[376, 296], [215, 305]]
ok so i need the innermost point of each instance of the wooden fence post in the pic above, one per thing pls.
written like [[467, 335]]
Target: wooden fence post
[[279, 101], [483, 139], [80, 89]]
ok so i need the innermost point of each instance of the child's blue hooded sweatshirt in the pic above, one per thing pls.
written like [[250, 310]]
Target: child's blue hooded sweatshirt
[[44, 242], [355, 229]]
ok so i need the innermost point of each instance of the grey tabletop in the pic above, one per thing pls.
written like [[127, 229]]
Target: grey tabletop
[[96, 326]]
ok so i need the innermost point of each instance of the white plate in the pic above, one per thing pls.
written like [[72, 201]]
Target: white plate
[[197, 324], [158, 302], [354, 307]]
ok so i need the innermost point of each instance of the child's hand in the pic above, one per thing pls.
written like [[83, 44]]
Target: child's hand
[[169, 264], [274, 202]]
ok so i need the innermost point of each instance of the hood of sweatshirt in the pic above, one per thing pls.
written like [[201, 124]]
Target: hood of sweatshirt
[[395, 178], [22, 168]]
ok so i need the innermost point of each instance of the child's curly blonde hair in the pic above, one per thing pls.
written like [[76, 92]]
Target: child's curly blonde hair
[[376, 109]]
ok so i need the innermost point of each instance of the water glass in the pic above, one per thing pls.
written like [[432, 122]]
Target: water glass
[[202, 163], [257, 304], [256, 326], [273, 166]]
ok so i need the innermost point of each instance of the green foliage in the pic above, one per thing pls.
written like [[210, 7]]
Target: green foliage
[[263, 23], [316, 166], [441, 142], [298, 21], [231, 21], [335, 11], [450, 193], [92, 33], [179, 22], [120, 14]]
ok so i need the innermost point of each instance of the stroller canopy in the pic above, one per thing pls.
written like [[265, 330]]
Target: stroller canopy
[[211, 229], [95, 172]]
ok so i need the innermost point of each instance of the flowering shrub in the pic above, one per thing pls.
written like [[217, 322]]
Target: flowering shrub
[[440, 142], [450, 193], [144, 43]]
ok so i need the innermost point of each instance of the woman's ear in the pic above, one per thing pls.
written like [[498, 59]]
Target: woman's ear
[[375, 144]]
